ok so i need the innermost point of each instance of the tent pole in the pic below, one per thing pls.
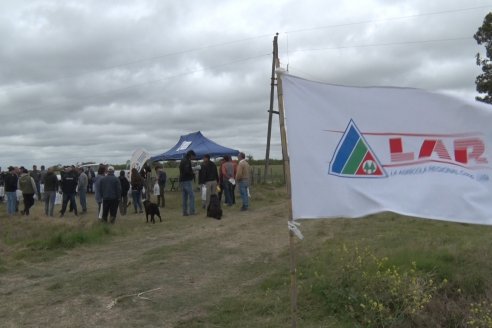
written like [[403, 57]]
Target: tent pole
[[286, 160], [270, 112]]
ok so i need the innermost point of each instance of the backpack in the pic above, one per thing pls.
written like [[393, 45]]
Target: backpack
[[214, 210]]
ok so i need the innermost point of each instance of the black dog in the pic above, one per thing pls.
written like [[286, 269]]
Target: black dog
[[214, 210], [151, 209]]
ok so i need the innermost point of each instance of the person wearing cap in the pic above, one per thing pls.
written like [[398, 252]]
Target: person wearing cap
[[11, 190], [186, 176], [110, 191]]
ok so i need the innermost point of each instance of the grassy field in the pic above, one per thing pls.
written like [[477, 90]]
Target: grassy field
[[381, 271]]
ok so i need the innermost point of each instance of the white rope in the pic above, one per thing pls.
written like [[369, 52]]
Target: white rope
[[293, 226], [138, 295]]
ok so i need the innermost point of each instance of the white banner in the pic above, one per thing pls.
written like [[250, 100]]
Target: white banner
[[356, 151], [139, 157]]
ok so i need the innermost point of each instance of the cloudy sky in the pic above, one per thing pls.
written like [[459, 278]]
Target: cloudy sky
[[93, 80]]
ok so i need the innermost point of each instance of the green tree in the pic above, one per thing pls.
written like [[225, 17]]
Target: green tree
[[484, 80]]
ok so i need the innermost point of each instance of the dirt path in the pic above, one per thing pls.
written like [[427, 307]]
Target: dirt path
[[186, 264]]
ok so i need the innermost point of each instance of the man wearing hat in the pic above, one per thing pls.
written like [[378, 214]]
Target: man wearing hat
[[110, 191], [11, 190]]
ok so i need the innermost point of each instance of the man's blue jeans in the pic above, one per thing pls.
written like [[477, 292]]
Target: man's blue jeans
[[243, 190], [227, 191], [137, 202], [11, 202], [49, 202], [188, 195]]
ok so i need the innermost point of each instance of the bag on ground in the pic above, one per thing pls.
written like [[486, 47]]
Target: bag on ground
[[214, 210]]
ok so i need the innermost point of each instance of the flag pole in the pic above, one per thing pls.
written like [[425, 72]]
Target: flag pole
[[286, 162]]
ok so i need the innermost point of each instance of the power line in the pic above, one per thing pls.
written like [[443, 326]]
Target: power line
[[388, 19], [178, 75], [139, 61], [137, 85], [386, 44]]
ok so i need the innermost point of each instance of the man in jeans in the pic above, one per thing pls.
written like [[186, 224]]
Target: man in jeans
[[10, 190], [186, 176], [228, 182], [242, 178], [50, 189]]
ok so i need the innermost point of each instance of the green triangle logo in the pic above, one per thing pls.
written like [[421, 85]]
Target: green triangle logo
[[354, 158]]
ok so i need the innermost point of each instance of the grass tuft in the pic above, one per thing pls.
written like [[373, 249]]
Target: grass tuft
[[69, 239]]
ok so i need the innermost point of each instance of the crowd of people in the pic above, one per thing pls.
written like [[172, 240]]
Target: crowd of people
[[112, 192]]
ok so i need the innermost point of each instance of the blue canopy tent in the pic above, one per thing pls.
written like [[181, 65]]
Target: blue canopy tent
[[197, 142]]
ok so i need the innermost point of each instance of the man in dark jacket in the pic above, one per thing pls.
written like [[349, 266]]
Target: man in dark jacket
[[110, 191], [125, 186], [11, 190], [186, 176], [69, 188], [50, 189]]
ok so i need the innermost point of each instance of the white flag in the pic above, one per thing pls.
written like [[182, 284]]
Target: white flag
[[356, 151]]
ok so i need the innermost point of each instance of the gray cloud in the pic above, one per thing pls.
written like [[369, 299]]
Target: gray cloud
[[95, 80]]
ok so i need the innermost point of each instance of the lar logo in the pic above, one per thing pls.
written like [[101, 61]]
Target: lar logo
[[354, 158]]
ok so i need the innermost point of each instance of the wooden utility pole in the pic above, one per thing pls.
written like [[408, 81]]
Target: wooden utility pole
[[286, 161], [270, 111]]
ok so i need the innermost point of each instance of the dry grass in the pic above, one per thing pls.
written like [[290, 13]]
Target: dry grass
[[194, 261], [200, 272]]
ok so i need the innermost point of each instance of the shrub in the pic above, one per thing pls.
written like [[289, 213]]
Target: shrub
[[480, 315], [370, 291]]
